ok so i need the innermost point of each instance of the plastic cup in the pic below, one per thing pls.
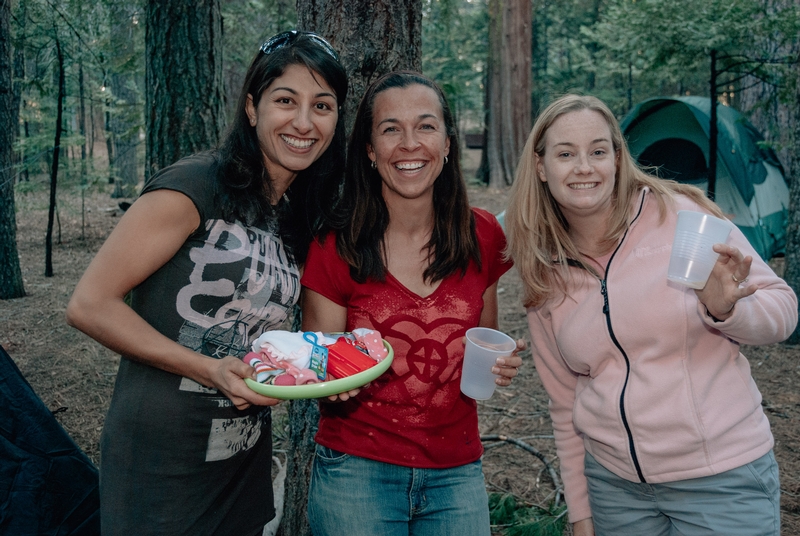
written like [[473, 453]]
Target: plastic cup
[[484, 346], [693, 257]]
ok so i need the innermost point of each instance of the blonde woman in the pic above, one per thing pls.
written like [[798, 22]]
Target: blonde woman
[[658, 423]]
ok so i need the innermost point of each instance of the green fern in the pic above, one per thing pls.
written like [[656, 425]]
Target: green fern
[[514, 519], [502, 508]]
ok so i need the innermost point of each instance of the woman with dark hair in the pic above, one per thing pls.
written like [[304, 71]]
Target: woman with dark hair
[[409, 258], [210, 255]]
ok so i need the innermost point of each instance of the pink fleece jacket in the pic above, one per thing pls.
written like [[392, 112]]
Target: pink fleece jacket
[[655, 389]]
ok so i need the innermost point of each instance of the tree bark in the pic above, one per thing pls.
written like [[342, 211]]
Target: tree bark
[[19, 77], [792, 269], [372, 38], [539, 56], [109, 139], [10, 274], [184, 106], [777, 116], [48, 243], [124, 120], [82, 132], [713, 131], [508, 87]]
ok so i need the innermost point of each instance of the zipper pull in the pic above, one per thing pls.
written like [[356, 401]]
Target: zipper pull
[[604, 292]]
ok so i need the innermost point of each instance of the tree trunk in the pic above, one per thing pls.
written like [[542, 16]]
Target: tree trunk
[[109, 139], [539, 55], [773, 114], [124, 122], [372, 39], [713, 131], [48, 243], [777, 117], [10, 274], [19, 77], [184, 106], [509, 87], [792, 271], [82, 131]]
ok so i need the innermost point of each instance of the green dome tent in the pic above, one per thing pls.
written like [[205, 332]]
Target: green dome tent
[[672, 133]]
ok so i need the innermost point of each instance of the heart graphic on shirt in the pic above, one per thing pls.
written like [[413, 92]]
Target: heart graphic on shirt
[[428, 361]]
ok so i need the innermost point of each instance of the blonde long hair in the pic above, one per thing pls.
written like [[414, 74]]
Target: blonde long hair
[[537, 232]]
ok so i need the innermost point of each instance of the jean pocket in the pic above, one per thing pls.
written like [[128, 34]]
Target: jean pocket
[[765, 473], [329, 455]]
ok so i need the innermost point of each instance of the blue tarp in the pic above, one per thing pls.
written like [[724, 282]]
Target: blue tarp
[[48, 486]]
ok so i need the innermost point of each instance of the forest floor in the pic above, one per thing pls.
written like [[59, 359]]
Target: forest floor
[[74, 376]]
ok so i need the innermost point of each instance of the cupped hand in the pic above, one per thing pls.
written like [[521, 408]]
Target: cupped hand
[[347, 395], [507, 367], [727, 283], [228, 376]]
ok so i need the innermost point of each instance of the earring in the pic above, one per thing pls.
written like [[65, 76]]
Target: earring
[[373, 164], [445, 159]]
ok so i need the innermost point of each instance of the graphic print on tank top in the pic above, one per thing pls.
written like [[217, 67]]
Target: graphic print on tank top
[[242, 284]]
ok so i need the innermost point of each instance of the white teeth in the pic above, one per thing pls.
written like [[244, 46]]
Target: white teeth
[[583, 185], [298, 143], [409, 166]]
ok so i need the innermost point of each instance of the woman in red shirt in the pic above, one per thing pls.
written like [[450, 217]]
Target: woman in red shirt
[[410, 259]]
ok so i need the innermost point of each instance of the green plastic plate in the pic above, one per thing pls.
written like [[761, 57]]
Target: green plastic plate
[[323, 389]]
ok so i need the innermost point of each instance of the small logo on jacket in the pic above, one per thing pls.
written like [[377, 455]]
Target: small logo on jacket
[[649, 251]]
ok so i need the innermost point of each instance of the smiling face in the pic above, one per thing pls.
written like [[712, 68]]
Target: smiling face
[[295, 122], [409, 141], [579, 164]]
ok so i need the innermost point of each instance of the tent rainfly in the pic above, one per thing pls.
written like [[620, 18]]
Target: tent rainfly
[[48, 486], [672, 134]]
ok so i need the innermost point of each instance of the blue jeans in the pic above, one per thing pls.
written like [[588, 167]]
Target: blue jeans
[[355, 496], [741, 502]]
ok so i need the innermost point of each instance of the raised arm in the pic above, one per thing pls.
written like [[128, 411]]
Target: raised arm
[[147, 236], [744, 299]]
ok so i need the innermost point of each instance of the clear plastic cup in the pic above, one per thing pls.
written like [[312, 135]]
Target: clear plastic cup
[[693, 257], [484, 346]]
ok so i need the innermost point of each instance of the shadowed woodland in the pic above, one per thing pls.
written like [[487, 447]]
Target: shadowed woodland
[[97, 96]]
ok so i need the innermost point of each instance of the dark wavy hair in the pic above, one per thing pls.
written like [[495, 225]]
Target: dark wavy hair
[[246, 189], [362, 217]]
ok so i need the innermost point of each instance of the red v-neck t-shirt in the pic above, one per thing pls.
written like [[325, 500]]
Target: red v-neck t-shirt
[[414, 415]]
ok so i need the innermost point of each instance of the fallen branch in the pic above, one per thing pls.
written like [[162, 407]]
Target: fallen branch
[[528, 448]]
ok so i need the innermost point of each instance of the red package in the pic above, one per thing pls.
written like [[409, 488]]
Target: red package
[[344, 359]]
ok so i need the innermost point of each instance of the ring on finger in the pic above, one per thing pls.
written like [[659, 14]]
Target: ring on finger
[[738, 281]]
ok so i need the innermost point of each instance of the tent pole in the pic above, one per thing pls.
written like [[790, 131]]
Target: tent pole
[[712, 130]]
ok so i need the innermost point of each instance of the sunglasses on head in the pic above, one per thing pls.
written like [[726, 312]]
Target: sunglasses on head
[[287, 38]]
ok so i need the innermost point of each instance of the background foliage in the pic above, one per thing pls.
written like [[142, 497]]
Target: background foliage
[[623, 51], [620, 50]]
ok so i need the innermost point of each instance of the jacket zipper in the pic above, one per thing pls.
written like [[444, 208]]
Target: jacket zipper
[[606, 312]]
